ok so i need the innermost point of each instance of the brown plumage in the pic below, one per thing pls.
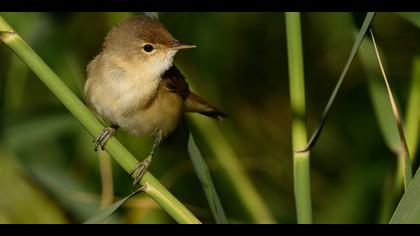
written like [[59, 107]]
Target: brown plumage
[[139, 27], [175, 82], [133, 83]]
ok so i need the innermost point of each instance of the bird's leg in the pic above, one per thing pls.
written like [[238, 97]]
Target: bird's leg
[[103, 137], [141, 168]]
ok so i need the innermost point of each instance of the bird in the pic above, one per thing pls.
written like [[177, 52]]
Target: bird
[[134, 85]]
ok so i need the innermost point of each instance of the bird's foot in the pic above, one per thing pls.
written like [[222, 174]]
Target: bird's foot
[[103, 137], [140, 170]]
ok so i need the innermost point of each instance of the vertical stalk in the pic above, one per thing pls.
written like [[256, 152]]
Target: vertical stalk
[[105, 166], [301, 173]]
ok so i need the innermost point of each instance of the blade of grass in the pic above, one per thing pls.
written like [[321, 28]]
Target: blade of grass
[[203, 174], [325, 113], [384, 115], [405, 155], [379, 97], [228, 160], [103, 215], [301, 170], [412, 125], [123, 157], [408, 209]]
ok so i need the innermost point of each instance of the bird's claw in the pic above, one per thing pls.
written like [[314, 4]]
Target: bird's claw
[[103, 137], [140, 170]]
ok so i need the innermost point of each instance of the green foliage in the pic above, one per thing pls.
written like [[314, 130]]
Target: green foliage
[[203, 174], [51, 173], [408, 210]]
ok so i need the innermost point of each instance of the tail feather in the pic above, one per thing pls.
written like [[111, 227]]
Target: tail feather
[[194, 103]]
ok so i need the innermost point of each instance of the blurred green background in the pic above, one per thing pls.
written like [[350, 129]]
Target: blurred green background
[[50, 173]]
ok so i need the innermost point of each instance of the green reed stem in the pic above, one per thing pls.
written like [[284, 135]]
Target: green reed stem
[[301, 168]]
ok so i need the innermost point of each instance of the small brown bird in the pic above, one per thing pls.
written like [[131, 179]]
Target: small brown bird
[[133, 84]]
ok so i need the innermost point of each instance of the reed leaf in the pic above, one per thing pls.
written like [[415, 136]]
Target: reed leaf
[[405, 155], [379, 96], [408, 209], [204, 176], [103, 215], [326, 112]]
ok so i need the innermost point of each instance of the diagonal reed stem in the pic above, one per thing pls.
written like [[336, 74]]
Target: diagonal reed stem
[[120, 154]]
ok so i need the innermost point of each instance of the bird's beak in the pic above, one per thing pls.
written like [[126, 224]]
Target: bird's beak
[[178, 45]]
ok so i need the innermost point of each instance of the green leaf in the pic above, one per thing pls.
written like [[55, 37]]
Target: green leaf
[[203, 174], [408, 210], [103, 215]]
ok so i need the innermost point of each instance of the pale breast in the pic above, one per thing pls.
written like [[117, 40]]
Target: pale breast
[[138, 105], [113, 92], [161, 117]]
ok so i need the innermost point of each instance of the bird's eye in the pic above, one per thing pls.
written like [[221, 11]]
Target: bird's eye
[[148, 48]]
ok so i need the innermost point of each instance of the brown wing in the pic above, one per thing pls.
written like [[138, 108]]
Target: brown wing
[[175, 82], [195, 103]]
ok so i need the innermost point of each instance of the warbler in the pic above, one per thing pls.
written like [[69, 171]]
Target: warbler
[[134, 85]]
